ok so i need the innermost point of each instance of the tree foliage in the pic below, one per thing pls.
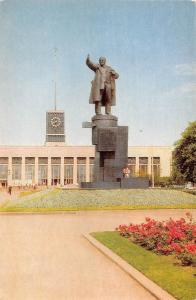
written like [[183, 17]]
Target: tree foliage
[[184, 156]]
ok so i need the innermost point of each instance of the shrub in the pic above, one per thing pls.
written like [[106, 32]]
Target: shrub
[[166, 237]]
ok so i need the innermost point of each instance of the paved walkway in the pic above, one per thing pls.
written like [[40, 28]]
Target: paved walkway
[[45, 257]]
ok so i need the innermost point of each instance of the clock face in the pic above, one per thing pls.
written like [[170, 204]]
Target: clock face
[[55, 122]]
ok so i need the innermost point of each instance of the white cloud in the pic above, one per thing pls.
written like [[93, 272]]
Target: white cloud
[[186, 69], [188, 89]]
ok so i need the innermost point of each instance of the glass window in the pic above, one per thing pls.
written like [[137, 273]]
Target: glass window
[[3, 171], [56, 172], [29, 169], [16, 168], [68, 170], [143, 160], [81, 160], [156, 167], [156, 160], [55, 160], [68, 174], [42, 160], [91, 173], [42, 174], [143, 166], [91, 160], [81, 173], [81, 169], [68, 160], [30, 173], [3, 160], [16, 171], [29, 160], [91, 168], [132, 165], [132, 160], [16, 160]]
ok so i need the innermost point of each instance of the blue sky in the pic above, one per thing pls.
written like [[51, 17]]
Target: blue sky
[[151, 44]]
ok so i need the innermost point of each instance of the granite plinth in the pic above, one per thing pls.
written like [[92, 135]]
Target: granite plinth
[[123, 183], [100, 185], [135, 183], [111, 147]]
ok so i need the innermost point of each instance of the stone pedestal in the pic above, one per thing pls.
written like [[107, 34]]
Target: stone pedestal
[[111, 148], [111, 155]]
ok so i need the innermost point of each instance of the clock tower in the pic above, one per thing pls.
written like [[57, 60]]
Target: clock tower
[[55, 131]]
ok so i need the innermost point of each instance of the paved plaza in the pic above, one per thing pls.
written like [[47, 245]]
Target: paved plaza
[[45, 256]]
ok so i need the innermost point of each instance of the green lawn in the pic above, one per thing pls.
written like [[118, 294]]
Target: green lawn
[[177, 280], [81, 199], [26, 193]]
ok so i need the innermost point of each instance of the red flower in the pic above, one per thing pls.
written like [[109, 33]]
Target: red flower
[[176, 247], [191, 248]]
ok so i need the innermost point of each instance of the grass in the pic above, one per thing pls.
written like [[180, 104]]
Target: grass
[[177, 280], [67, 200], [26, 193]]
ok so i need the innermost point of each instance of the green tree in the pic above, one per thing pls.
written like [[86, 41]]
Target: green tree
[[184, 156]]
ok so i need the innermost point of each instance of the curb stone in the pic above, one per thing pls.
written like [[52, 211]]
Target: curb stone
[[149, 285]]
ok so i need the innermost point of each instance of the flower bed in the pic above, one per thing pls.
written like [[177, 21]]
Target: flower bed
[[166, 237], [57, 199]]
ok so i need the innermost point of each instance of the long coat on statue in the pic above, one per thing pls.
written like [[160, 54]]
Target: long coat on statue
[[97, 83]]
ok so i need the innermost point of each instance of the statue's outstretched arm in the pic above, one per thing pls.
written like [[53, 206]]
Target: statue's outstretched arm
[[90, 64]]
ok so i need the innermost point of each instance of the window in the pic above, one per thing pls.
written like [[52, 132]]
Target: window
[[42, 170], [29, 160], [3, 168], [16, 172], [56, 170], [132, 165], [29, 173], [156, 167], [3, 160], [16, 168], [42, 160], [3, 172], [29, 169], [91, 168], [81, 169], [143, 166], [68, 170]]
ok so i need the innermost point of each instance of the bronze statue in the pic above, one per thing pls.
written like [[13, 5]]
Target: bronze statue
[[103, 85]]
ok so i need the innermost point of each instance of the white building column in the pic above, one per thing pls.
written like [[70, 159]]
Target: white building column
[[36, 170], [9, 177], [23, 171], [62, 171], [49, 171], [87, 169], [75, 171]]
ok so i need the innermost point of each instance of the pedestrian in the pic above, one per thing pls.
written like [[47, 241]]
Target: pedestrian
[[10, 190]]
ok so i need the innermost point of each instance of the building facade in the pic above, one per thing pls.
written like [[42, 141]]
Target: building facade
[[62, 165], [56, 163]]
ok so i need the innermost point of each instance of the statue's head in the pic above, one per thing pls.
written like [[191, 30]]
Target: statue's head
[[102, 61]]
